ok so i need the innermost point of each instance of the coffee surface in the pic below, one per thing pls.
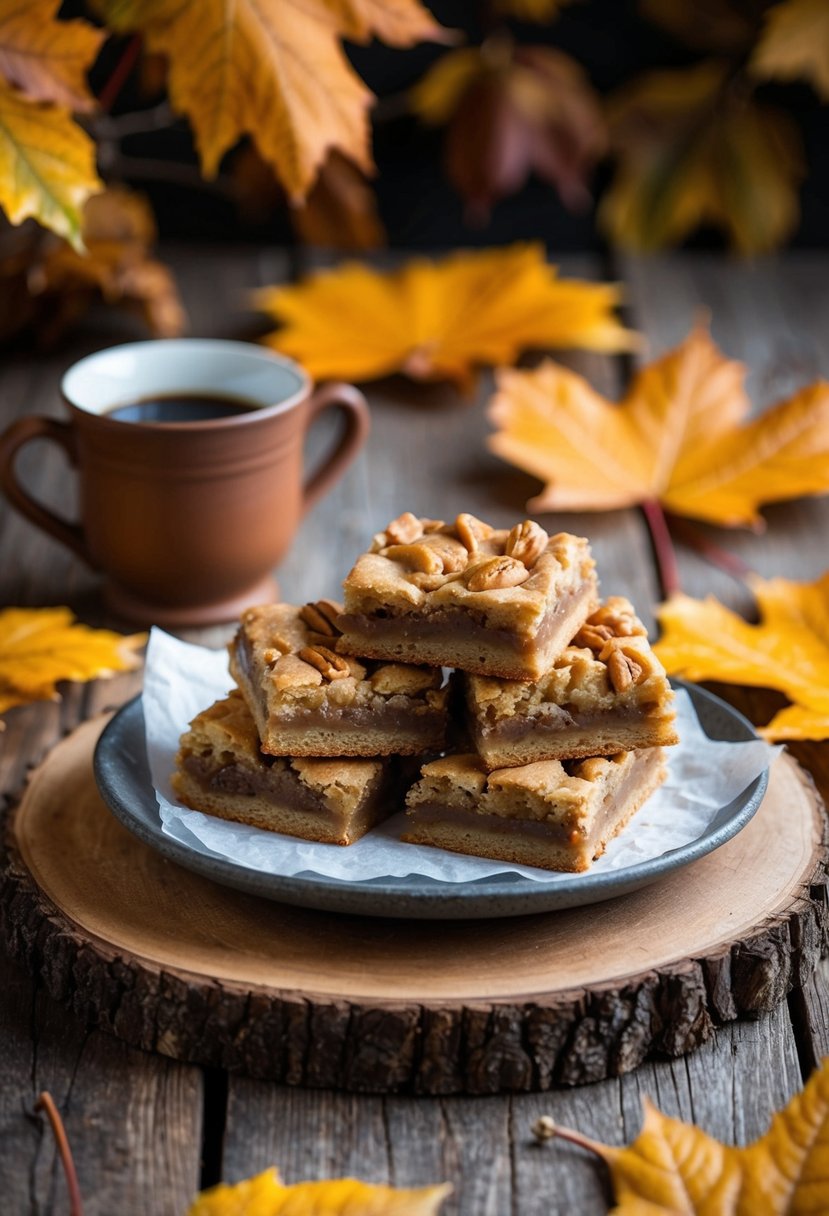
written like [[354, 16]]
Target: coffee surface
[[181, 407]]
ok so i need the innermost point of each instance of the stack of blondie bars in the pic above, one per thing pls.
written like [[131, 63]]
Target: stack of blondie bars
[[475, 668]]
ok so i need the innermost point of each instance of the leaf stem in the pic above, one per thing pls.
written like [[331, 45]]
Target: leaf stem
[[546, 1128], [46, 1104], [120, 73], [724, 560], [663, 546]]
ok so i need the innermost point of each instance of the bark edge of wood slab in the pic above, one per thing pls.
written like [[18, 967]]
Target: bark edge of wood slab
[[170, 962]]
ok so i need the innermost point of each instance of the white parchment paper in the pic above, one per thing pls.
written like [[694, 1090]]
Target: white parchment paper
[[181, 680]]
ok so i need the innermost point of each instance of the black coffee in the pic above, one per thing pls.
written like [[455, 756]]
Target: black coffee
[[181, 407]]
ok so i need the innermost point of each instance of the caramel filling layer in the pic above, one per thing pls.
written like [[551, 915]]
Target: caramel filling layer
[[463, 623]]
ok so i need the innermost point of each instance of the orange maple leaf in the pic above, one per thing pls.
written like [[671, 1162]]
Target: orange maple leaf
[[267, 1195], [273, 69], [680, 435], [39, 646], [674, 1167], [788, 650], [45, 58], [438, 320]]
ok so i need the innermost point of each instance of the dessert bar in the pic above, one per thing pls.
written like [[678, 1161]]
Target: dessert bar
[[221, 771], [607, 692], [307, 700], [559, 816], [494, 602]]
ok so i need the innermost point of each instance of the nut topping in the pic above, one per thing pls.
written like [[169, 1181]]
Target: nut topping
[[623, 670], [526, 542], [451, 552], [496, 573], [330, 666], [471, 530], [593, 636], [617, 615], [422, 558], [404, 529], [321, 617]]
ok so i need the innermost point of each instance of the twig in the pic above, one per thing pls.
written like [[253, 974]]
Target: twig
[[546, 1128], [118, 126], [663, 546], [724, 560], [120, 75], [46, 1104], [148, 169]]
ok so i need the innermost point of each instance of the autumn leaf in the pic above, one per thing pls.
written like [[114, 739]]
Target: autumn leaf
[[47, 165], [40, 646], [679, 435], [512, 111], [340, 211], [45, 58], [438, 320], [788, 650], [118, 233], [795, 44], [272, 69], [676, 1169], [692, 151], [266, 1195]]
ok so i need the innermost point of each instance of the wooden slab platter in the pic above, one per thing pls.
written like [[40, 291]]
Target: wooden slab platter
[[171, 962]]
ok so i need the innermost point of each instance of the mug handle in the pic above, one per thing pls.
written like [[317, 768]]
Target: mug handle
[[357, 424], [21, 432]]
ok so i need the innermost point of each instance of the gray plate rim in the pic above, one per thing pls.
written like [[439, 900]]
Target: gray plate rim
[[118, 767]]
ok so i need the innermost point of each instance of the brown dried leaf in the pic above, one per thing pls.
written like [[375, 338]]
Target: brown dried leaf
[[512, 111]]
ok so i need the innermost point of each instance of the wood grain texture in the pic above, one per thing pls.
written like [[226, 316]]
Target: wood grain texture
[[370, 1005]]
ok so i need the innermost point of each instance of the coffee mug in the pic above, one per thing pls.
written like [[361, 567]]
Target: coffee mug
[[186, 519]]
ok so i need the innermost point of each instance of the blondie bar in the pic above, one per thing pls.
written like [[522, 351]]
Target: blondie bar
[[490, 601], [221, 771], [559, 816], [607, 692], [307, 700]]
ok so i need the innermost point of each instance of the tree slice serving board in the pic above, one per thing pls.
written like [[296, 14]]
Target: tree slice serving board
[[171, 962]]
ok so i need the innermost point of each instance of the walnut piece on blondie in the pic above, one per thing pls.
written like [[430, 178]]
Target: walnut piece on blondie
[[308, 700], [485, 600], [606, 692], [558, 816], [221, 771]]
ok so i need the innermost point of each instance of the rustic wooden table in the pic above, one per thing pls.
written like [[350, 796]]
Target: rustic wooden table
[[148, 1132]]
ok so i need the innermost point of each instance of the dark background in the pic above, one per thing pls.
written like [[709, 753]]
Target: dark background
[[608, 38]]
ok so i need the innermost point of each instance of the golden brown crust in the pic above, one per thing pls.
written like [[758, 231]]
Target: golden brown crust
[[547, 815], [608, 685], [221, 771], [308, 700]]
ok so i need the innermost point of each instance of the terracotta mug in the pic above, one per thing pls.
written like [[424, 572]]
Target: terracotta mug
[[186, 519]]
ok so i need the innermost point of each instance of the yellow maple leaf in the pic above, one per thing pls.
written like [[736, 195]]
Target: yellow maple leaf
[[679, 435], [795, 44], [47, 164], [39, 646], [676, 1169], [273, 69], [690, 152], [436, 320], [788, 650], [45, 58], [266, 1195]]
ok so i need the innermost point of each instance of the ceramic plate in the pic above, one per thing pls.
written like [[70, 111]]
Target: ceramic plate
[[123, 778]]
